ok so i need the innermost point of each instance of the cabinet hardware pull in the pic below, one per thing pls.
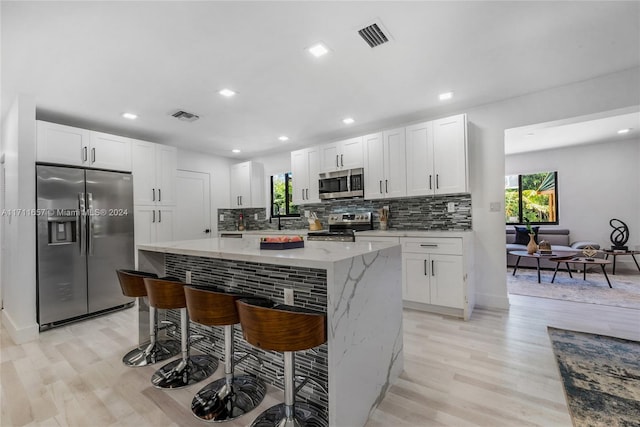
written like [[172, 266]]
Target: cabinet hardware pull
[[430, 186], [302, 194], [154, 216], [380, 186], [337, 163], [93, 155], [437, 181], [159, 195], [153, 198], [428, 245], [89, 223], [341, 160], [84, 154], [425, 267], [433, 270], [82, 226], [386, 186], [307, 194], [159, 215]]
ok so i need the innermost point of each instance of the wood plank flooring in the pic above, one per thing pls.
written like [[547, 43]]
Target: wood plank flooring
[[498, 369]]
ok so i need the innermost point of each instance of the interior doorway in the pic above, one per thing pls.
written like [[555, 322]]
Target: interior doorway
[[193, 212]]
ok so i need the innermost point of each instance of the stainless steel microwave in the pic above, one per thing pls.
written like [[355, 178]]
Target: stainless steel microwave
[[346, 183]]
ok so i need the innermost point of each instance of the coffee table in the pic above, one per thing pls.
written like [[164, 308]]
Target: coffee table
[[615, 254], [537, 256], [580, 260]]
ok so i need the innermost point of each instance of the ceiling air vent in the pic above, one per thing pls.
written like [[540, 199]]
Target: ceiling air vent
[[185, 117], [373, 35]]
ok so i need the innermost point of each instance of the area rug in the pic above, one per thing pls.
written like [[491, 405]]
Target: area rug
[[625, 291], [601, 377]]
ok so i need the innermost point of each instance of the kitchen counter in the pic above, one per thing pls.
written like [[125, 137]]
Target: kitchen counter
[[270, 232], [357, 284]]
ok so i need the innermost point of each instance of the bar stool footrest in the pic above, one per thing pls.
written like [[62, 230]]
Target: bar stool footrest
[[218, 402], [142, 356], [198, 368], [306, 415]]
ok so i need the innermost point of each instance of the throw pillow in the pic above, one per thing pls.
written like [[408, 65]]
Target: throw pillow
[[522, 235]]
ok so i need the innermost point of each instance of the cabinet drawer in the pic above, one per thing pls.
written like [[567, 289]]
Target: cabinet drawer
[[432, 245]]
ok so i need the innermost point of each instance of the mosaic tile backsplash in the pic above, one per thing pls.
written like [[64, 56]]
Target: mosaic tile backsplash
[[268, 281], [414, 213]]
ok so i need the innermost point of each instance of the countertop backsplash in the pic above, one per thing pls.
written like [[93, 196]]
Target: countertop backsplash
[[414, 213]]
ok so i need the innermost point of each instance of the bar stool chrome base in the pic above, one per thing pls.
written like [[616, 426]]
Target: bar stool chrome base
[[218, 402], [143, 355], [179, 374], [305, 416]]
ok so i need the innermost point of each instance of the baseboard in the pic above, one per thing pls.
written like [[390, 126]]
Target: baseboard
[[19, 335], [500, 302]]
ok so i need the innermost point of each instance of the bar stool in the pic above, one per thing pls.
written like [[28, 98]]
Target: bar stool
[[288, 329], [233, 395], [169, 294], [155, 350]]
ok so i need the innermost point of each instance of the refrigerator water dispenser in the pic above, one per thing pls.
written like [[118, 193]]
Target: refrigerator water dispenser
[[62, 231]]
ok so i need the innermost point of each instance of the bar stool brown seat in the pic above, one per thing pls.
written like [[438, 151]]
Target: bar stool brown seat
[[284, 328], [155, 350], [233, 395], [168, 293]]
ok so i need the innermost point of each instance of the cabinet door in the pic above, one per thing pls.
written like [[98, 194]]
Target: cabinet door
[[419, 159], [241, 185], [313, 193], [450, 154], [164, 224], [144, 221], [329, 157], [166, 169], [373, 166], [143, 167], [351, 153], [395, 176], [109, 152], [300, 171], [416, 277], [61, 144], [447, 281]]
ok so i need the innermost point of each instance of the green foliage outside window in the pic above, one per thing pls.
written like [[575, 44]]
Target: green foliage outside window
[[282, 196], [531, 197]]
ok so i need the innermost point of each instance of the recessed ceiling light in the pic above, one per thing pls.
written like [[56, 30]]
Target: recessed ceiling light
[[347, 121], [318, 50], [227, 92], [130, 116], [627, 130], [446, 95], [283, 138], [235, 150]]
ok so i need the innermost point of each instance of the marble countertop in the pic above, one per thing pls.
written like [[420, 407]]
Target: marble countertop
[[318, 254]]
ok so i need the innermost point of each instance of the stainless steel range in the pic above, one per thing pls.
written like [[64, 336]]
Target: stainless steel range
[[342, 227]]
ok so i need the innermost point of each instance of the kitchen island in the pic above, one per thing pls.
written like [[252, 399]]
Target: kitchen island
[[357, 285]]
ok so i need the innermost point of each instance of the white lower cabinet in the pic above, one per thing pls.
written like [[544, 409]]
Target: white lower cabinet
[[153, 224], [436, 271]]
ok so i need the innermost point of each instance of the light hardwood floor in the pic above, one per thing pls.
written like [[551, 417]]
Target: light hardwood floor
[[495, 370]]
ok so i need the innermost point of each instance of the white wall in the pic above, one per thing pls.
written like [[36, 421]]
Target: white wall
[[218, 170], [596, 182], [19, 232], [487, 124]]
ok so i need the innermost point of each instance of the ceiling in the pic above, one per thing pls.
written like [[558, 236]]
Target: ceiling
[[89, 62]]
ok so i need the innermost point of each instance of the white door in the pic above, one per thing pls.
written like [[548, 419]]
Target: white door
[[395, 177], [373, 166], [351, 153], [193, 218], [446, 281], [449, 153], [419, 159]]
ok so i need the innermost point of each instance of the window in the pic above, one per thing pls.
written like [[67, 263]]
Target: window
[[282, 196], [533, 197]]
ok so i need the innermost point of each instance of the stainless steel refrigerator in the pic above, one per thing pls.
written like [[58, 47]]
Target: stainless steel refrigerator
[[84, 233]]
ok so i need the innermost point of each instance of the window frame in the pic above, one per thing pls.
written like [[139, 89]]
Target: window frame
[[520, 207], [287, 193]]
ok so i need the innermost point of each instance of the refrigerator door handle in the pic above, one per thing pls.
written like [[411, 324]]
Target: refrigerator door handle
[[81, 224], [90, 224]]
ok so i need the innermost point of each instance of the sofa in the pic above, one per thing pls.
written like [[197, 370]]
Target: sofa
[[557, 237]]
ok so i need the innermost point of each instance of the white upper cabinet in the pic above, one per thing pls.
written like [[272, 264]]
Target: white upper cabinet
[[436, 157], [247, 185], [305, 167], [347, 154], [384, 164], [68, 145], [154, 173]]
